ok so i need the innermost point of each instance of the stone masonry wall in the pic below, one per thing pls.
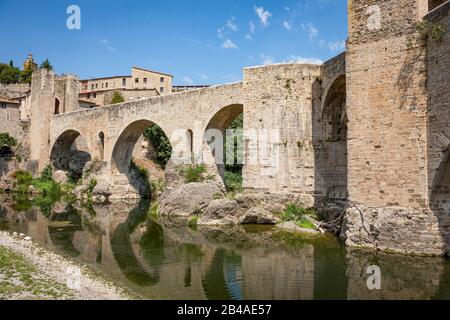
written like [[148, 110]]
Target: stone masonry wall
[[438, 139], [387, 106], [279, 98]]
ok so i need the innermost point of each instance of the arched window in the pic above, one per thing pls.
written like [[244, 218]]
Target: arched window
[[57, 103]]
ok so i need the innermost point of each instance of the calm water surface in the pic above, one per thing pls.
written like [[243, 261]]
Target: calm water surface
[[166, 259]]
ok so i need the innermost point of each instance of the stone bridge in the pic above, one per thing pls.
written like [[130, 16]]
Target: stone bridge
[[281, 105]]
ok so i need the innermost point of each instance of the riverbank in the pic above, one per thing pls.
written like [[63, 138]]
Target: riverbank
[[31, 272]]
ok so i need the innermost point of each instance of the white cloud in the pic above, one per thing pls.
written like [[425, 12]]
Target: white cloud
[[228, 44], [313, 32], [248, 37], [106, 44], [188, 80], [220, 33], [231, 24], [287, 25], [298, 59], [252, 26], [336, 45], [263, 15], [290, 59], [266, 59], [203, 76]]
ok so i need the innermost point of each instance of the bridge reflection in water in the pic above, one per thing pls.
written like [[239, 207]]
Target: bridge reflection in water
[[166, 259]]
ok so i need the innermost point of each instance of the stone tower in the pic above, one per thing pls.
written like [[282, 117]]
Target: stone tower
[[50, 95], [387, 109]]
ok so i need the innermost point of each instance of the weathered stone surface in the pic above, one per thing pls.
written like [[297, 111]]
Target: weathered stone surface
[[60, 177], [102, 188], [220, 212], [254, 208], [189, 199], [383, 228]]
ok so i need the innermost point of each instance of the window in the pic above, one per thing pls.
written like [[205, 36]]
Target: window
[[161, 90], [3, 106], [136, 80], [92, 87], [89, 96], [8, 116], [95, 95], [145, 80], [161, 80], [124, 82], [96, 86], [106, 85], [102, 85]]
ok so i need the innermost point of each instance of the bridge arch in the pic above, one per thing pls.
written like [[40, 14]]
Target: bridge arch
[[334, 111], [215, 134], [124, 146], [70, 153]]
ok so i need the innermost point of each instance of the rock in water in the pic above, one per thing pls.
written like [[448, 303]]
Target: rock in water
[[189, 199]]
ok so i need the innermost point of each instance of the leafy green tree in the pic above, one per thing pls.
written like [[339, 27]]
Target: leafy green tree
[[156, 136], [11, 64], [25, 75], [117, 98], [7, 141], [46, 65], [9, 74]]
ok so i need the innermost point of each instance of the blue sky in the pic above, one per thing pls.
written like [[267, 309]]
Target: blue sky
[[198, 41]]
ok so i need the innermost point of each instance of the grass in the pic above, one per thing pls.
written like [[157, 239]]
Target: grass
[[193, 173], [21, 280], [233, 181], [298, 215]]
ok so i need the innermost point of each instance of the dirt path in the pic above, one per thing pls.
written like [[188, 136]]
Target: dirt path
[[30, 272]]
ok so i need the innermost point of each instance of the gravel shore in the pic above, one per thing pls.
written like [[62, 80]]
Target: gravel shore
[[78, 282]]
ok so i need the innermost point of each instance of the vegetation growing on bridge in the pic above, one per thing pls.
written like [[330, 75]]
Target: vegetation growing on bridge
[[161, 144], [233, 171], [300, 216]]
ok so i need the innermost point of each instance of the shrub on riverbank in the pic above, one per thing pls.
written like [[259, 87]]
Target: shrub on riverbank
[[194, 173], [299, 216]]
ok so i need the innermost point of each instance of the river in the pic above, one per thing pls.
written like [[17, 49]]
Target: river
[[162, 258]]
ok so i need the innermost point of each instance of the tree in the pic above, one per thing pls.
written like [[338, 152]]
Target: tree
[[11, 64], [9, 74], [7, 141], [117, 98], [46, 65], [26, 74]]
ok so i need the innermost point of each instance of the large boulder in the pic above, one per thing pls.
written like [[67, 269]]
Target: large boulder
[[60, 177], [189, 199], [220, 212]]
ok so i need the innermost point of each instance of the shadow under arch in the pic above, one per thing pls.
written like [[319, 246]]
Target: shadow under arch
[[330, 125], [70, 153], [122, 155], [215, 133]]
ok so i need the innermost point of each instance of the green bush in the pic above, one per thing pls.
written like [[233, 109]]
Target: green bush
[[233, 181], [158, 139], [193, 173], [294, 212], [117, 98], [7, 141], [47, 173], [24, 179]]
